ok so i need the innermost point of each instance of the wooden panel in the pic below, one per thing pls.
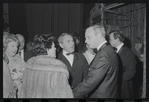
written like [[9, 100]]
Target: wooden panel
[[133, 28]]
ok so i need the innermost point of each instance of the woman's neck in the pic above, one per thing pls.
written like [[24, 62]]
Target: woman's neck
[[9, 57]]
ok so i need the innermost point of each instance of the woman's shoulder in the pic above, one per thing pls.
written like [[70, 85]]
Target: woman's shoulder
[[44, 63], [17, 62], [59, 62], [46, 60], [31, 60], [55, 62]]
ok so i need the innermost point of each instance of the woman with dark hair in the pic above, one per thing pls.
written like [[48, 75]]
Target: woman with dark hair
[[45, 76]]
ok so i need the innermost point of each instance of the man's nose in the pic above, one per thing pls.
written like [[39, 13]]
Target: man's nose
[[85, 41]]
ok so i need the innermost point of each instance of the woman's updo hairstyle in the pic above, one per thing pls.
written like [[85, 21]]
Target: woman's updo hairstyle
[[41, 43]]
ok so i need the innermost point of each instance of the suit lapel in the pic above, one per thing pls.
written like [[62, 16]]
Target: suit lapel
[[104, 45], [64, 59], [75, 58], [121, 50]]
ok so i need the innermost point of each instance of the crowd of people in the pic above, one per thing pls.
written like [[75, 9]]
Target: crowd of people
[[104, 69]]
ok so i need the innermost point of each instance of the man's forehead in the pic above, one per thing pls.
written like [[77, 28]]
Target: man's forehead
[[67, 37], [89, 32], [90, 29]]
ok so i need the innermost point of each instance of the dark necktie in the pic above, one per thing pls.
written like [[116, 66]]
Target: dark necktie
[[115, 48], [95, 50], [69, 53]]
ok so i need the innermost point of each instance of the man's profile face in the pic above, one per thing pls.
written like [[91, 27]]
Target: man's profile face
[[91, 38], [112, 41]]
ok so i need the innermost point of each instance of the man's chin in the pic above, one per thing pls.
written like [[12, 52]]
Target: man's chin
[[72, 51]]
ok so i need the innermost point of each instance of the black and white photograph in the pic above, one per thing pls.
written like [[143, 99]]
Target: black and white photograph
[[74, 51]]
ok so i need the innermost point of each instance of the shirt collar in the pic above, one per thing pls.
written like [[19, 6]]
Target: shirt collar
[[64, 52], [101, 45], [119, 47]]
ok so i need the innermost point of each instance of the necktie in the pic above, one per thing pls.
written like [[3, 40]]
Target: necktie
[[115, 48], [69, 53], [95, 50]]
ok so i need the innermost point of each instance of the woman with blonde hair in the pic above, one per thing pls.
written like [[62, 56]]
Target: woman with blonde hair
[[45, 76], [16, 64]]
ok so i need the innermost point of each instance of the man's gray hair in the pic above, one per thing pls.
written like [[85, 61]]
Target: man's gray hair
[[60, 38], [99, 29]]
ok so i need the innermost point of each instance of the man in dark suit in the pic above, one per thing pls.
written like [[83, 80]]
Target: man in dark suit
[[127, 65], [75, 62], [101, 81], [28, 51]]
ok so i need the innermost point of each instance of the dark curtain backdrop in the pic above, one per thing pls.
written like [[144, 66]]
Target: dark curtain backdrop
[[54, 18], [17, 19], [36, 18]]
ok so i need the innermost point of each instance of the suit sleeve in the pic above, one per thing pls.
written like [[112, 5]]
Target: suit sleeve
[[85, 68], [129, 66], [97, 73]]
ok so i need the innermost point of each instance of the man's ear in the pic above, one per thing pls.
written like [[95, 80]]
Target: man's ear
[[117, 39], [99, 35], [61, 45]]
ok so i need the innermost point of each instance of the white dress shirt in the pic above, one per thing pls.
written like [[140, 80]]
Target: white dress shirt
[[101, 45], [69, 57], [119, 47]]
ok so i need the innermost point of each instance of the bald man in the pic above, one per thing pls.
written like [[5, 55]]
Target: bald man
[[101, 81]]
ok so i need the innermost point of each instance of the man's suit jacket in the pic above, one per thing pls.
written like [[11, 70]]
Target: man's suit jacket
[[27, 55], [101, 81], [78, 70], [128, 67]]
